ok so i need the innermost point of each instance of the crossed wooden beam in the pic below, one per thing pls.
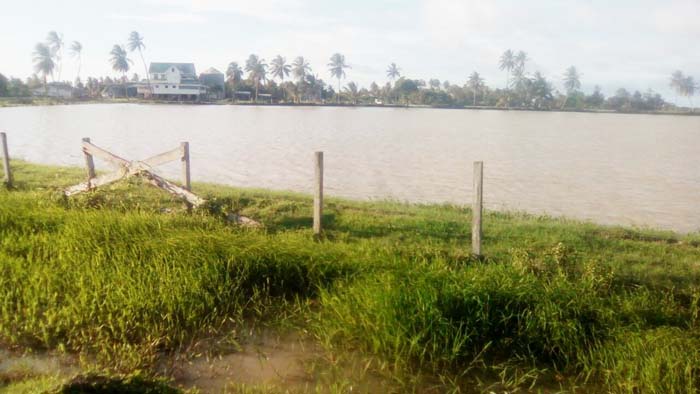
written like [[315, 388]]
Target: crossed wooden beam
[[126, 169]]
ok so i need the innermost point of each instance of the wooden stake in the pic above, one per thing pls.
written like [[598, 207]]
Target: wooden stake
[[186, 181], [478, 207], [318, 194], [89, 162], [6, 160]]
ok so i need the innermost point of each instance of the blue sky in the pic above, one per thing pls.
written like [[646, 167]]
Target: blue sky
[[621, 43]]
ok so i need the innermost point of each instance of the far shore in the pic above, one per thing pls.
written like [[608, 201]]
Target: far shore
[[49, 101]]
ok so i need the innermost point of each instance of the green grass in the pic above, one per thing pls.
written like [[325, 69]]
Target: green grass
[[124, 276]]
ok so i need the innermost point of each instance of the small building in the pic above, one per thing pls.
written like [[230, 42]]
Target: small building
[[173, 81], [54, 89], [214, 80]]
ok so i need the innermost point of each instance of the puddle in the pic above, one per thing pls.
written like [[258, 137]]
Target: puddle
[[267, 359], [18, 366]]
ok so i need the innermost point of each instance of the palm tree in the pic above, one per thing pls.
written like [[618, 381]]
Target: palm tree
[[43, 62], [234, 75], [120, 61], [507, 63], [300, 68], [136, 43], [76, 50], [677, 81], [689, 87], [55, 42], [337, 68], [572, 82], [520, 60], [257, 71], [352, 91], [279, 68], [393, 71], [475, 82]]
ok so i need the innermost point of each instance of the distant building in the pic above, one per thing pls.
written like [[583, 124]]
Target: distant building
[[173, 81], [213, 79], [54, 89]]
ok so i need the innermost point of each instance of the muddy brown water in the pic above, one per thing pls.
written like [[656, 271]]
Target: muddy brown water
[[641, 170]]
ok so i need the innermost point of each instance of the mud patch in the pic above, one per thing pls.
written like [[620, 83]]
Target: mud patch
[[17, 366], [264, 360]]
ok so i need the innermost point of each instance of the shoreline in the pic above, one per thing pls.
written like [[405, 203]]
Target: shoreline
[[37, 102]]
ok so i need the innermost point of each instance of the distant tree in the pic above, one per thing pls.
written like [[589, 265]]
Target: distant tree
[[279, 67], [684, 86], [520, 60], [677, 81], [76, 51], [135, 78], [393, 71], [405, 88], [689, 90], [234, 75], [300, 68], [434, 84], [43, 62], [541, 91], [572, 82], [120, 63], [4, 88], [507, 63], [55, 43], [596, 99], [352, 91], [337, 68], [475, 83], [136, 44], [446, 85], [257, 71]]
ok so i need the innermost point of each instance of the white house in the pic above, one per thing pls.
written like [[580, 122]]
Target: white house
[[173, 81]]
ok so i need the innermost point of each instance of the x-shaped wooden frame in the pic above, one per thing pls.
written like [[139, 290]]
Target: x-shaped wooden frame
[[125, 169]]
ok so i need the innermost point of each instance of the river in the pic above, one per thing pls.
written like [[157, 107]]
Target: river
[[639, 170]]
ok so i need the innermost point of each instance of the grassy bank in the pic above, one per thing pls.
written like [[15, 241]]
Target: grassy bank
[[125, 278]]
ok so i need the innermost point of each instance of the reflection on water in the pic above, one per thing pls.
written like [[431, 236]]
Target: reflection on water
[[627, 169]]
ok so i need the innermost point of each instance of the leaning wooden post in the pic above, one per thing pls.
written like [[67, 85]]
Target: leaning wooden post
[[89, 162], [478, 207], [6, 160], [186, 180], [318, 193]]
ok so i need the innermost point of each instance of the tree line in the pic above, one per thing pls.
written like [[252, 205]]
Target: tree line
[[296, 82]]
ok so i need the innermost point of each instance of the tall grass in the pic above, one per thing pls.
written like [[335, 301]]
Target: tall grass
[[125, 274]]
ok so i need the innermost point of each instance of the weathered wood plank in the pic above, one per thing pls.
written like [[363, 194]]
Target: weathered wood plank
[[318, 193], [175, 154], [477, 209], [172, 188], [113, 159], [96, 182], [7, 179]]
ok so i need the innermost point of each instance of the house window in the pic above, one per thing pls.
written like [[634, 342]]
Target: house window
[[172, 69]]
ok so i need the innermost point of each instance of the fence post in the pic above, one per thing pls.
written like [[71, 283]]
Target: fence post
[[89, 163], [186, 180], [318, 193], [478, 207], [6, 160]]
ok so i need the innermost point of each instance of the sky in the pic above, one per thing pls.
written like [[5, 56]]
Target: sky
[[635, 44]]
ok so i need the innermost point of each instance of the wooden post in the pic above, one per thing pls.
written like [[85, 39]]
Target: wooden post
[[6, 160], [478, 207], [89, 163], [318, 193], [186, 181]]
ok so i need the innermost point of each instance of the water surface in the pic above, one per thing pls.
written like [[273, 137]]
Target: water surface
[[641, 170]]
